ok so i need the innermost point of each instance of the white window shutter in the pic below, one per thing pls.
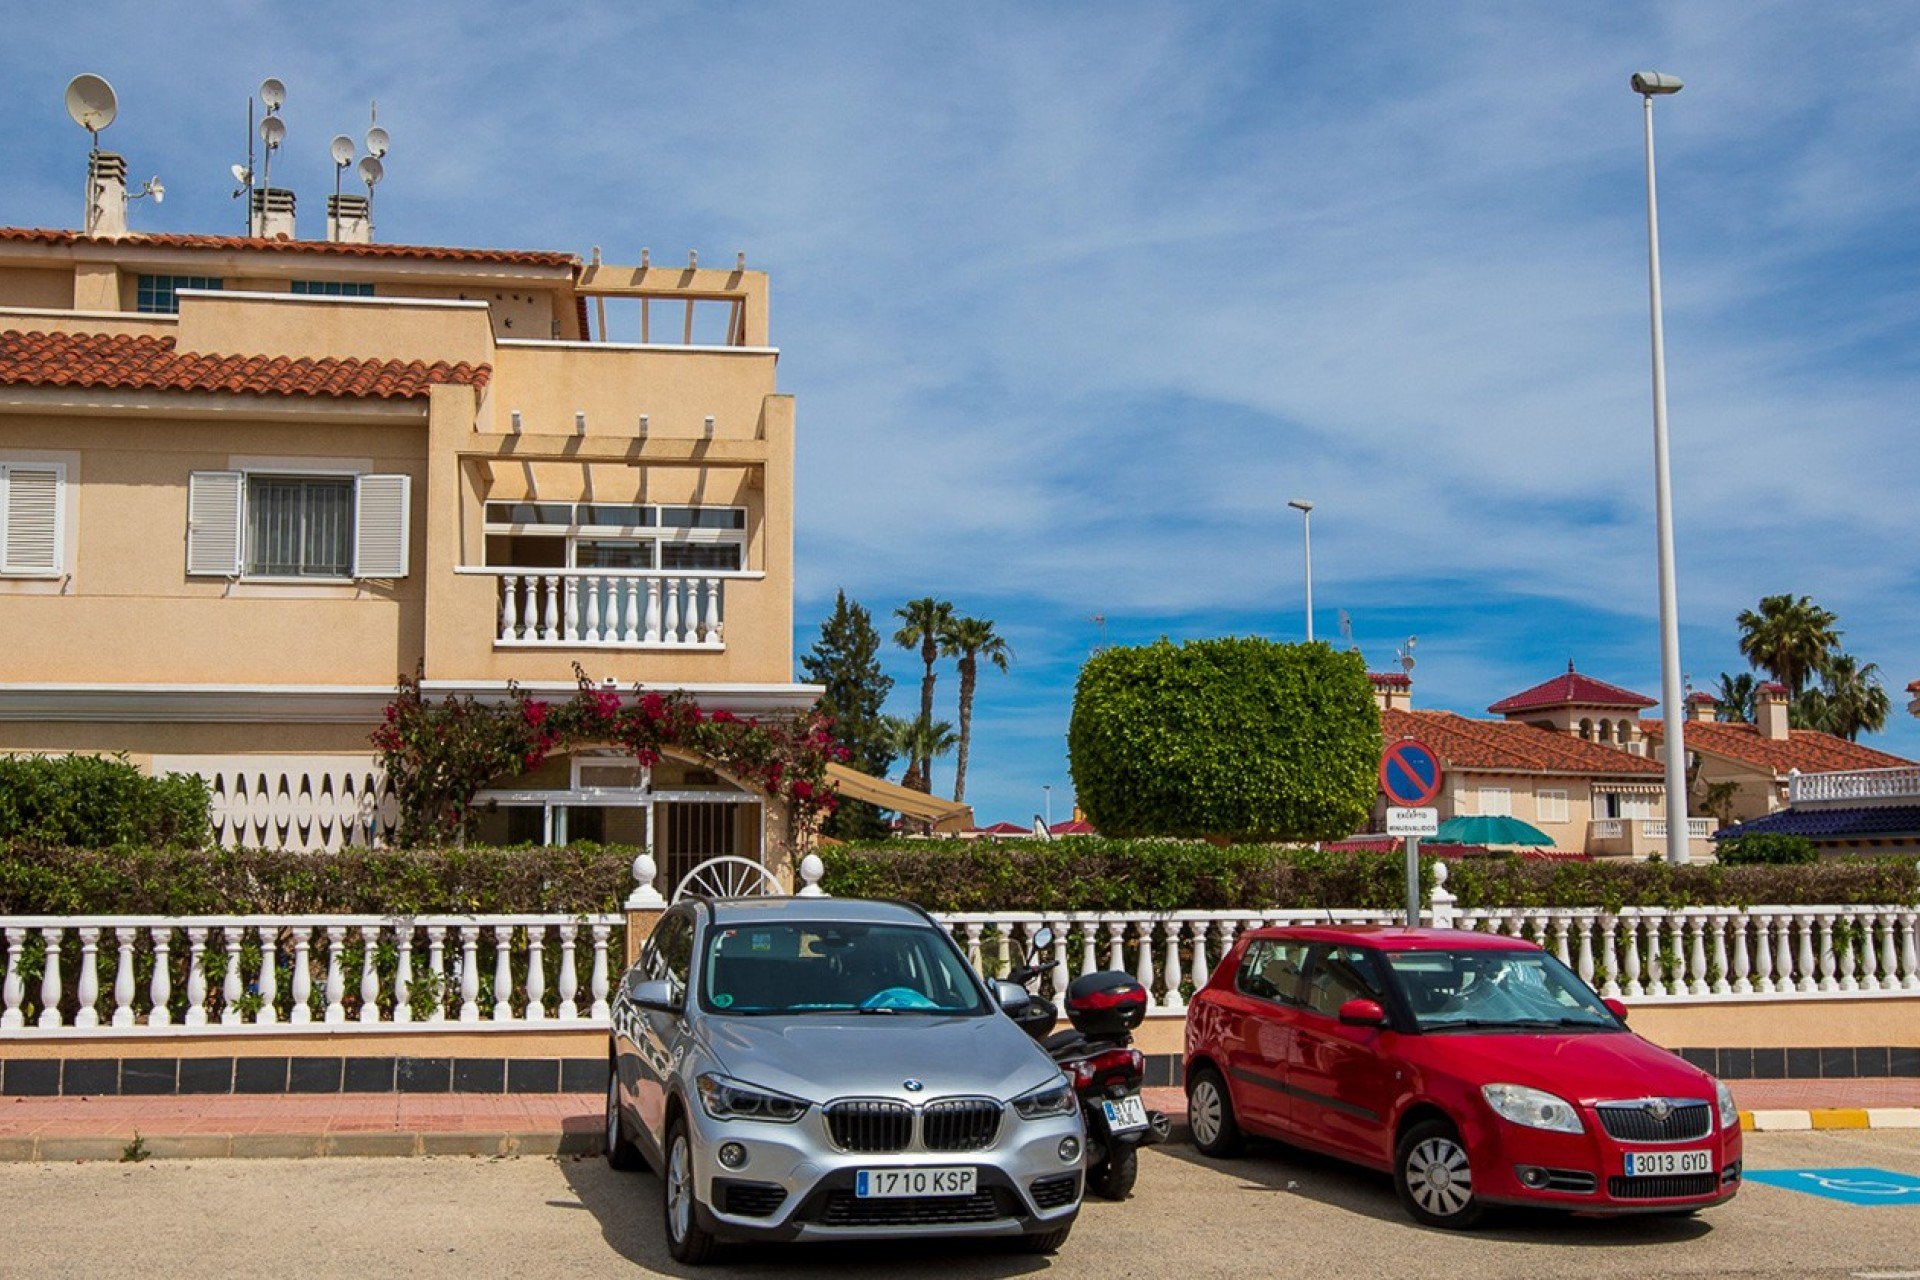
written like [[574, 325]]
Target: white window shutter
[[214, 519], [30, 505], [380, 526]]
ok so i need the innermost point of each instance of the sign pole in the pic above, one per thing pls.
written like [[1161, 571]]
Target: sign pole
[[1413, 882]]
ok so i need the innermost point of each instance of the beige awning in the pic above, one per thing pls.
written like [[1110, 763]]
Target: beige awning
[[945, 815]]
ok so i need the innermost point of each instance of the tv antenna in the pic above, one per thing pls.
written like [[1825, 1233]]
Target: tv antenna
[[1346, 631], [373, 168], [1100, 620], [1405, 654], [272, 132]]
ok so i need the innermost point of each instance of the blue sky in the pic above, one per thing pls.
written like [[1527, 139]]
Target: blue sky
[[1075, 297]]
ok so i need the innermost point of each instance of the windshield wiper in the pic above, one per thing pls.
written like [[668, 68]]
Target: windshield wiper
[[1512, 1024]]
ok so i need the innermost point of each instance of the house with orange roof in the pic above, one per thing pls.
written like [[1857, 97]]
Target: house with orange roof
[[247, 480]]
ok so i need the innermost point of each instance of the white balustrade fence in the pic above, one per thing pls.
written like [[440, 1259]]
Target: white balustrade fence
[[1855, 785], [150, 973], [614, 608]]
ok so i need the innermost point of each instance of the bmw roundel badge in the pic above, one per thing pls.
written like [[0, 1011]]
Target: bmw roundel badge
[[912, 1086]]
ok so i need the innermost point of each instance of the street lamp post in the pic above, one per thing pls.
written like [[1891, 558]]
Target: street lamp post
[[1649, 85], [1047, 790], [1305, 509]]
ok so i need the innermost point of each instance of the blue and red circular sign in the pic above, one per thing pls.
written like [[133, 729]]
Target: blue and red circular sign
[[1409, 773]]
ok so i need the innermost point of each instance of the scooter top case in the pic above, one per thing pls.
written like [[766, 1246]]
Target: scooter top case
[[1106, 1004]]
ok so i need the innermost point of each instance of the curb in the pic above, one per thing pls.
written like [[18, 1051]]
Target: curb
[[279, 1146], [1822, 1118]]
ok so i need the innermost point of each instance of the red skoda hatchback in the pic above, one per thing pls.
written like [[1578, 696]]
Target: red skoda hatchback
[[1477, 1069]]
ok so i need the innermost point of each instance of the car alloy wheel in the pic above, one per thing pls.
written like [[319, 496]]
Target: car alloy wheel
[[621, 1154], [1434, 1177], [1210, 1115], [687, 1240]]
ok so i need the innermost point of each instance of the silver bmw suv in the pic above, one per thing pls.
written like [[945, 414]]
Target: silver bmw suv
[[823, 1068]]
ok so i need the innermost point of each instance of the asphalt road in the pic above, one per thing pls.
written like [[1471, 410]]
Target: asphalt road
[[1275, 1213]]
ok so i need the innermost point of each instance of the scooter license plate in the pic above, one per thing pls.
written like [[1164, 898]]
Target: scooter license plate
[[1124, 1115]]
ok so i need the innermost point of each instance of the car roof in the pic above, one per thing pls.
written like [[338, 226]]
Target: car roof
[[728, 911], [1394, 937]]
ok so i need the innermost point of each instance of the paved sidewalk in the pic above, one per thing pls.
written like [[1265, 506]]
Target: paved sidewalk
[[102, 1128]]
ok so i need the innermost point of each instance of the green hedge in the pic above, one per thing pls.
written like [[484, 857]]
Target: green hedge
[[1243, 739], [1512, 882], [96, 802], [1769, 849], [48, 880]]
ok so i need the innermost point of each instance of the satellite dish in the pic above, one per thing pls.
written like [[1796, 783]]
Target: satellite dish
[[91, 102], [342, 151], [240, 173], [272, 130], [371, 170], [377, 141], [273, 93]]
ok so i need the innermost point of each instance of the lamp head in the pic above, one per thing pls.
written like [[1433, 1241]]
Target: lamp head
[[1655, 82], [1301, 505]]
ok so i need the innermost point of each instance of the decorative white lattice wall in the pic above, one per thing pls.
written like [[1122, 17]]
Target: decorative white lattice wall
[[292, 802]]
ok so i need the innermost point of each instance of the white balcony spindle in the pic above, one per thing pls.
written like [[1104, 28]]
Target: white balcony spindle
[[1631, 952], [590, 609], [1909, 961], [1696, 958], [598, 980], [1198, 971], [536, 973], [1585, 924], [269, 938], [1889, 957], [1656, 954], [1742, 960], [232, 985], [502, 972], [710, 620], [1807, 967], [510, 607], [1170, 968], [653, 611], [87, 989], [196, 978], [1089, 946], [1610, 954], [403, 972], [569, 973], [300, 990], [369, 977], [1846, 949], [13, 993], [673, 635], [1829, 961], [630, 611], [336, 988], [1719, 924], [160, 989], [123, 981], [1059, 975], [1143, 960], [549, 588], [1116, 946], [51, 989], [469, 972]]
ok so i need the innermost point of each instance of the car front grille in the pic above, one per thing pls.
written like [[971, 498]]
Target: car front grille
[[844, 1209], [751, 1199], [1685, 1119], [1665, 1188], [867, 1124], [959, 1124], [1056, 1192]]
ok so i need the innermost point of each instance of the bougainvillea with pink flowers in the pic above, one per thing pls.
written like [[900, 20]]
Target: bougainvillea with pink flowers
[[439, 755]]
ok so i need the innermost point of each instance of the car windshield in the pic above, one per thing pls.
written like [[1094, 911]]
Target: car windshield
[[826, 967], [1475, 990]]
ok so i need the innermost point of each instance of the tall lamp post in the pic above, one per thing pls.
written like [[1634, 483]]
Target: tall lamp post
[[1650, 85], [1305, 509]]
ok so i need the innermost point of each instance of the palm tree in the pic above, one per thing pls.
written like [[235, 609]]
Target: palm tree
[[1853, 699], [969, 640], [923, 622], [1736, 697], [1789, 636], [920, 740]]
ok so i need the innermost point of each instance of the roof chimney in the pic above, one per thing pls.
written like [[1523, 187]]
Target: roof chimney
[[273, 213], [348, 221], [1702, 707], [106, 194], [1770, 711], [1392, 690]]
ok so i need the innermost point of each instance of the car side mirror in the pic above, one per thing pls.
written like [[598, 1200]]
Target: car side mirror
[[1361, 1012], [655, 994], [1011, 996], [1618, 1008]]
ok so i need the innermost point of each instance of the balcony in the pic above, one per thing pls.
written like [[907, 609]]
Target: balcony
[[1644, 837], [609, 609], [1855, 787]]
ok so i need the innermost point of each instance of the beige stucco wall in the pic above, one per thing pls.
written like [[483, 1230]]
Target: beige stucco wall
[[1461, 798], [1758, 796], [142, 740], [36, 287]]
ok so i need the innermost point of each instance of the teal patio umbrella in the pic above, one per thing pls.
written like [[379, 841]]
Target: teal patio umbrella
[[1489, 830]]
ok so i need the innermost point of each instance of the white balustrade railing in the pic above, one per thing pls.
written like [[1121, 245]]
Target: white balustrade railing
[[149, 973], [616, 608], [1608, 829], [1857, 784], [1697, 828]]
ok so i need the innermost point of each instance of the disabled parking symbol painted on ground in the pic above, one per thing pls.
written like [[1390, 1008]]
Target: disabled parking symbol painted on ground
[[1854, 1186]]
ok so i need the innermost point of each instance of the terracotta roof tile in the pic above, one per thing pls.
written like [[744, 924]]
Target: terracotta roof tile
[[1571, 688], [1507, 747], [436, 253], [1807, 750], [143, 362]]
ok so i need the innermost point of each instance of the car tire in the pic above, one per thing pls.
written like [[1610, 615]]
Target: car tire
[[621, 1154], [1044, 1241], [1113, 1178], [690, 1244], [1433, 1177], [1210, 1115]]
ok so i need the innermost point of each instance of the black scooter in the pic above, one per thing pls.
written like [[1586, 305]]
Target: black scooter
[[1098, 1056]]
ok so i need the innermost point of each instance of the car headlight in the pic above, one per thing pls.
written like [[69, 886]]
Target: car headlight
[[1055, 1098], [725, 1099], [1729, 1109], [1534, 1108]]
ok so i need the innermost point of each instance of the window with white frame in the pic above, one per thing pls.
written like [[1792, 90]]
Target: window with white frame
[[295, 526], [1552, 805], [1495, 802], [32, 532], [601, 535]]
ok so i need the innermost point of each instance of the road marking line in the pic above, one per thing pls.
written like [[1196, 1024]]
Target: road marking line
[[1777, 1120], [1838, 1118], [1895, 1118]]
